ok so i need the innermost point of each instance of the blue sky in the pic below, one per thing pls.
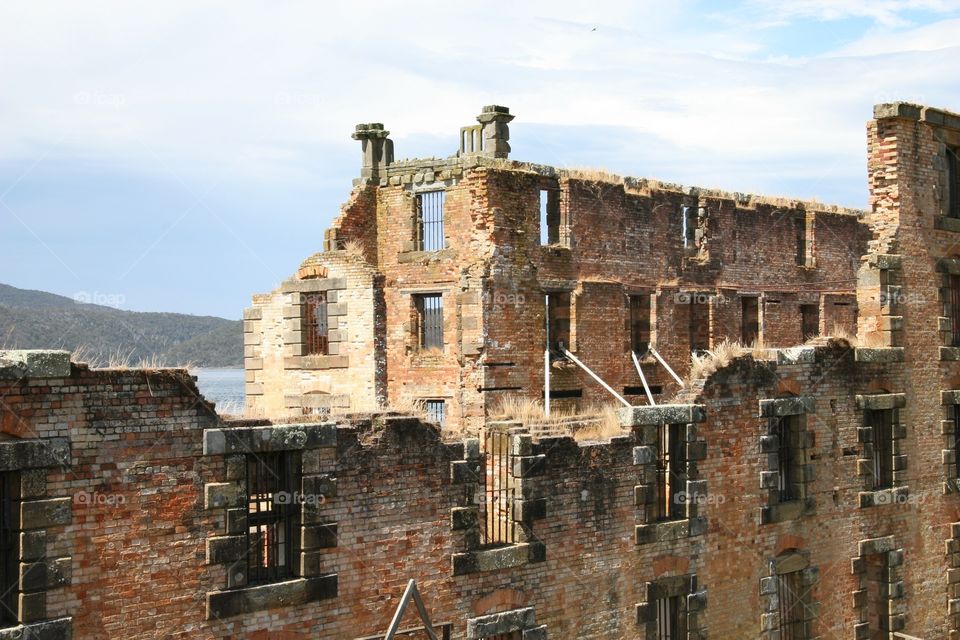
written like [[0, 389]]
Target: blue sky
[[183, 156]]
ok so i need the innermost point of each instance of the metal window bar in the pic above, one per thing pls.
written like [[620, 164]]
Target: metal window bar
[[790, 591], [9, 546], [430, 318], [800, 228], [671, 473], [499, 490], [881, 421], [436, 411], [272, 516], [315, 316], [955, 416], [786, 433], [429, 227], [671, 621], [954, 302], [640, 323]]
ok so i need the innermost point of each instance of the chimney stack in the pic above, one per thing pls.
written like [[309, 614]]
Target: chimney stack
[[494, 120], [376, 147]]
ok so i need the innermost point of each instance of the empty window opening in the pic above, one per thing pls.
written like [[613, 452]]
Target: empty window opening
[[699, 322], [688, 226], [9, 546], [558, 322], [800, 230], [878, 619], [749, 320], [429, 320], [881, 422], [792, 595], [953, 182], [436, 411], [640, 323], [954, 311], [671, 618], [550, 227], [955, 419], [273, 516], [559, 394], [671, 473], [315, 323], [787, 433], [428, 230], [511, 635], [639, 391], [499, 489], [809, 321]]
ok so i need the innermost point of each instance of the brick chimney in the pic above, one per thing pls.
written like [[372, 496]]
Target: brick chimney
[[495, 120], [376, 147]]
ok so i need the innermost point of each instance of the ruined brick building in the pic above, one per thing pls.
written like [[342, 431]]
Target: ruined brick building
[[442, 278], [795, 492]]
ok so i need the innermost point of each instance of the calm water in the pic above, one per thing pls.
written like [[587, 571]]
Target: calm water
[[223, 387]]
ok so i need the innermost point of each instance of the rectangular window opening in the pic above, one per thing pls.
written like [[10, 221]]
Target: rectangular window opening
[[791, 595], [955, 418], [809, 321], [273, 516], [953, 182], [9, 547], [688, 222], [429, 321], [671, 620], [877, 602], [640, 323], [429, 233], [315, 323], [954, 311], [787, 434], [558, 322], [881, 421], [499, 489], [551, 229], [639, 391], [749, 320], [671, 473], [559, 394], [436, 411], [699, 322], [800, 230]]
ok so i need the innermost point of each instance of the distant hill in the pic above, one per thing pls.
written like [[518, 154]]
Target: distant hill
[[40, 320]]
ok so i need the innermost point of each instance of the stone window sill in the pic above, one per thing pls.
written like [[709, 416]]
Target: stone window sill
[[441, 255], [670, 530], [786, 511], [945, 223], [882, 497], [232, 602], [59, 629], [506, 557]]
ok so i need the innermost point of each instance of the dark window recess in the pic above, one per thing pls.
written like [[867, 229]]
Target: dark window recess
[[429, 311], [791, 595], [878, 604], [428, 230], [955, 418], [498, 490], [558, 322], [565, 393], [273, 516], [639, 391], [953, 182], [881, 421], [800, 229], [671, 473], [787, 434], [809, 321], [9, 546], [671, 620], [699, 323], [550, 231], [749, 320], [436, 411], [688, 226], [640, 323], [315, 323], [954, 311]]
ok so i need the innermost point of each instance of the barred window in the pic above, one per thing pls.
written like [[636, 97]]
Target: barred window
[[786, 430], [436, 411], [955, 419], [953, 182], [428, 227], [671, 473], [429, 312], [800, 230], [792, 596], [273, 516], [315, 324], [953, 303], [9, 547], [881, 422], [640, 323], [671, 618]]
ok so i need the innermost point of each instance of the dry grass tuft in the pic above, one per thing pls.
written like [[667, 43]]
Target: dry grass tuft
[[355, 249], [599, 421], [720, 356], [121, 360], [590, 174]]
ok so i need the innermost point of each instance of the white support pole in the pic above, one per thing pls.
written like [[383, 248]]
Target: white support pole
[[664, 363], [546, 382], [643, 379], [596, 377]]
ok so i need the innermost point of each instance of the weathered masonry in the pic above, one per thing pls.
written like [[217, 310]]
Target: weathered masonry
[[442, 277], [797, 492]]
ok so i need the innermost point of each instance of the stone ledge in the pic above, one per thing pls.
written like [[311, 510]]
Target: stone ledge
[[34, 363], [253, 313], [41, 514], [883, 497], [949, 354], [777, 407], [281, 437], [316, 362], [312, 285], [507, 557], [949, 396], [880, 401], [945, 223], [796, 355], [498, 624], [880, 354], [661, 531], [36, 453], [220, 495], [59, 629], [225, 604], [662, 414]]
